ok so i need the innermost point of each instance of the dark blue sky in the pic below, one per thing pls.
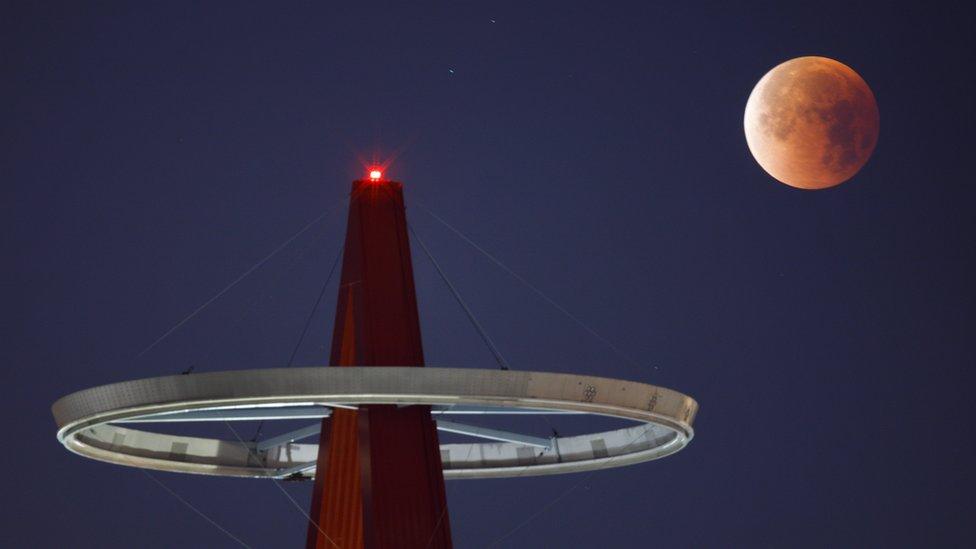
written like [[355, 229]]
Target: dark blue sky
[[149, 155]]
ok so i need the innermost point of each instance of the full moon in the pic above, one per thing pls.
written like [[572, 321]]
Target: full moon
[[811, 122]]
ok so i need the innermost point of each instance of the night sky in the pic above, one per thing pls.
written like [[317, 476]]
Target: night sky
[[149, 155]]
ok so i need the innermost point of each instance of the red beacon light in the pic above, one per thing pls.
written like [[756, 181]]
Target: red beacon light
[[375, 175]]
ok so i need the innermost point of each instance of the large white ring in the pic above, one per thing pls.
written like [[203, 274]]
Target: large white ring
[[87, 419]]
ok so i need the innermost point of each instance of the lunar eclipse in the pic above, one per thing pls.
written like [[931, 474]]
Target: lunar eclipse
[[811, 122]]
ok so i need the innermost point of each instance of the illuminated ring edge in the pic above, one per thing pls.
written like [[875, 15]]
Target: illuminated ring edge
[[98, 406]]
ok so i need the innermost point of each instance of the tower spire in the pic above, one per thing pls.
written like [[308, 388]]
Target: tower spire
[[378, 479]]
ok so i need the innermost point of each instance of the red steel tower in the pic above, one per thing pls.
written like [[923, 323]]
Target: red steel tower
[[378, 479]]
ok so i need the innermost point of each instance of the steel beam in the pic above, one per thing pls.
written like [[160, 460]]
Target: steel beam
[[491, 434], [442, 425], [289, 437]]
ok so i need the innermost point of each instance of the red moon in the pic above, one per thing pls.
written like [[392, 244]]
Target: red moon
[[811, 122]]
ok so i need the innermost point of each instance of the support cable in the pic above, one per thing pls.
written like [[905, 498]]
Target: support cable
[[491, 345], [437, 526], [530, 286], [308, 321], [186, 319], [261, 296], [301, 510], [197, 311], [457, 296], [498, 356], [444, 511], [234, 283], [194, 509], [565, 493], [315, 307]]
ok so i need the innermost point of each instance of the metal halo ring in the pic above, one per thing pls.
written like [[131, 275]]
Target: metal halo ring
[[86, 419]]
